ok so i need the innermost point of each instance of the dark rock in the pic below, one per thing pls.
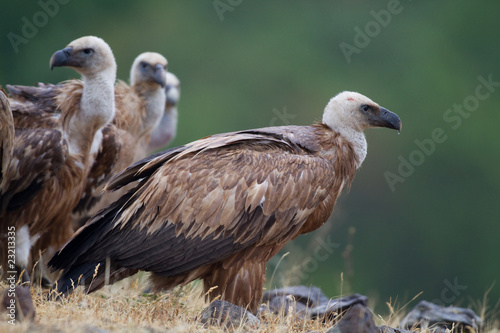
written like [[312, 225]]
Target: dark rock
[[303, 302], [17, 302], [224, 314], [359, 319], [309, 296], [332, 308], [427, 314], [387, 329], [278, 302]]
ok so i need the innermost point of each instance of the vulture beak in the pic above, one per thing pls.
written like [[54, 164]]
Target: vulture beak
[[160, 75], [385, 118], [63, 58]]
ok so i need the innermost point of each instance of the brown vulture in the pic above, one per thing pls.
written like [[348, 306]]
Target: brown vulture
[[48, 167], [166, 130], [219, 208]]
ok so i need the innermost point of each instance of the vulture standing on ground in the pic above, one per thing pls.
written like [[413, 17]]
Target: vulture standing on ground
[[47, 169], [166, 129], [219, 208]]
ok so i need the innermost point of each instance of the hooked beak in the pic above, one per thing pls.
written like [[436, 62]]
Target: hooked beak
[[387, 119], [62, 58], [160, 75]]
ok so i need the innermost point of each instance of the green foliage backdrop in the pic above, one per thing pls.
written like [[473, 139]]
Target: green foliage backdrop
[[246, 64]]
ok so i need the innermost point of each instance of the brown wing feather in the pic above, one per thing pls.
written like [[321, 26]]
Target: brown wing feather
[[35, 106], [40, 106], [43, 94], [38, 155]]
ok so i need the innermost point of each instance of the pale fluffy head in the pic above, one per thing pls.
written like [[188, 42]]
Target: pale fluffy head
[[344, 111], [88, 55], [350, 113], [149, 67], [353, 111]]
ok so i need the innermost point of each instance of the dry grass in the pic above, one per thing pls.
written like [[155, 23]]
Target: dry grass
[[124, 307]]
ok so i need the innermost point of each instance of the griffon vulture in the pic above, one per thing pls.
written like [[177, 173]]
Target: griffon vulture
[[47, 169], [166, 129], [219, 208]]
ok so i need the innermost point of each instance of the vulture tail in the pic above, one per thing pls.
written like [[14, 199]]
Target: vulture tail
[[78, 275], [83, 258]]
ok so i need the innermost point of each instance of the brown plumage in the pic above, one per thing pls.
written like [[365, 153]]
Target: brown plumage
[[48, 167], [219, 208]]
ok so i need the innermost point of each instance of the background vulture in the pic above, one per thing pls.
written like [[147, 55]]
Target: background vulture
[[166, 129], [220, 207], [47, 169]]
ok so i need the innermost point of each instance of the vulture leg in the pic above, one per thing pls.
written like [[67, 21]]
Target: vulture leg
[[240, 285]]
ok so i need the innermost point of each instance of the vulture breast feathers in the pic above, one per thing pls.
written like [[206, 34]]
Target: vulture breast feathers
[[219, 202]]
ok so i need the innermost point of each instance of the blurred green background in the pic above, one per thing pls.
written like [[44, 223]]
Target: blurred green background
[[247, 64]]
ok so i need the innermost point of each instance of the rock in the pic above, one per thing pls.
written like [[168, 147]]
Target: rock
[[287, 305], [224, 314], [359, 319], [307, 302], [291, 300], [18, 304], [427, 314], [309, 296], [330, 309]]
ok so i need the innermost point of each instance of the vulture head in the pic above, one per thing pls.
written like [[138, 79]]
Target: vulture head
[[350, 111], [173, 90], [149, 68], [87, 55]]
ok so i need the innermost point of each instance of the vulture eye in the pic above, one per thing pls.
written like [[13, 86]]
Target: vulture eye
[[88, 51], [366, 108], [144, 65]]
